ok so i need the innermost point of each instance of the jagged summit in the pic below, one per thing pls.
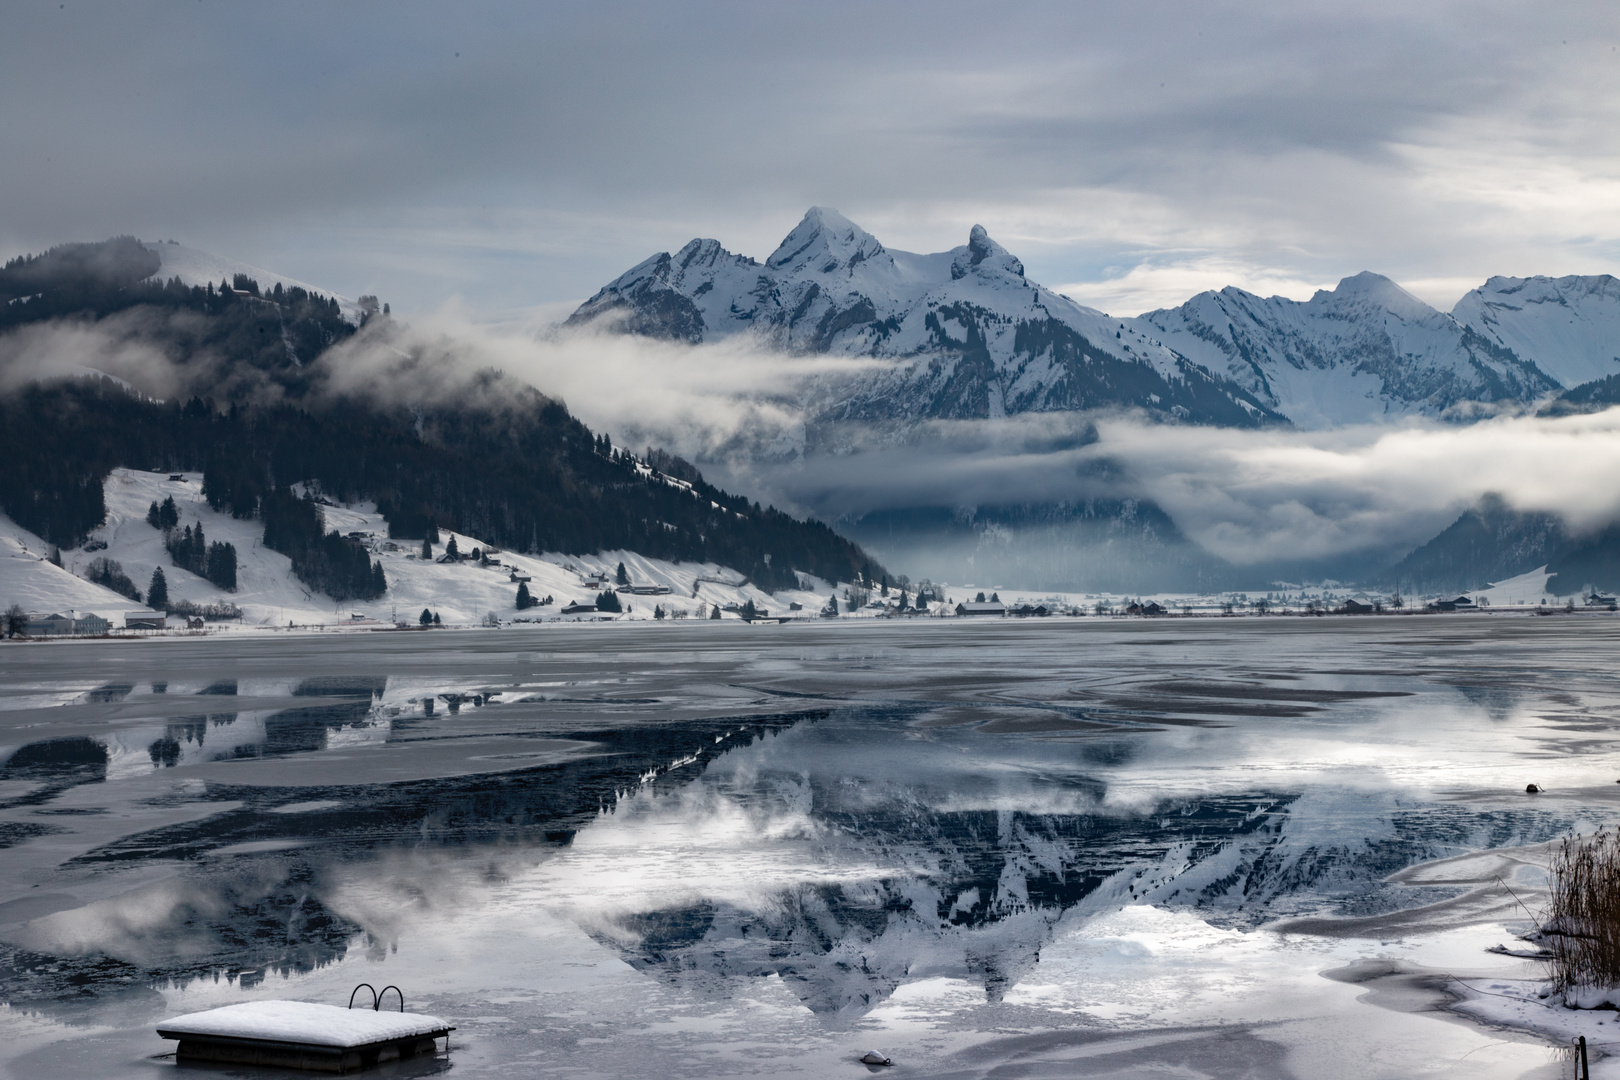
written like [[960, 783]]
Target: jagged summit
[[824, 241], [969, 334], [985, 252]]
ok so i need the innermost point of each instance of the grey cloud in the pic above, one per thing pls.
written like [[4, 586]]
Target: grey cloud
[[352, 146]]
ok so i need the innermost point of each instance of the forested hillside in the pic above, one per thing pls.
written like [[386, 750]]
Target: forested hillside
[[522, 471]]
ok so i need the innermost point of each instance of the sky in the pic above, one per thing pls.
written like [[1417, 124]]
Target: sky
[[512, 158]]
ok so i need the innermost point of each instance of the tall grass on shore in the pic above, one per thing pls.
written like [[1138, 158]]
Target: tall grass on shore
[[1582, 928]]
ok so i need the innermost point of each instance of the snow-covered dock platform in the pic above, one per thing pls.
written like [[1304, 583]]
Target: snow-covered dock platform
[[303, 1035]]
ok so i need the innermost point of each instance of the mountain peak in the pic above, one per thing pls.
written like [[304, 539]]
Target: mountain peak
[[824, 240], [1376, 289], [983, 251]]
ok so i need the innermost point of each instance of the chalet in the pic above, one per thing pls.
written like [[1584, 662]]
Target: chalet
[[795, 606], [1149, 608], [1025, 611], [517, 577], [979, 607], [579, 609], [146, 620], [1597, 599], [1355, 607]]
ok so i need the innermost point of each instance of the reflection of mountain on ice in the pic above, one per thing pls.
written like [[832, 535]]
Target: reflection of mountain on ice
[[908, 881]]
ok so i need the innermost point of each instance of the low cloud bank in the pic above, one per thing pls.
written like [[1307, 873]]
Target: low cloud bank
[[740, 410]]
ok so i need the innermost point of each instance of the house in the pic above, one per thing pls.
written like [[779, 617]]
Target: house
[[1149, 608], [146, 620], [1024, 611], [41, 625], [976, 607], [1355, 607], [91, 623], [795, 606], [517, 577], [645, 590], [579, 609], [1597, 599]]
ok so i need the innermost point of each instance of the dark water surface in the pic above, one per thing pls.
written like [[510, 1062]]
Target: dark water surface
[[1023, 848]]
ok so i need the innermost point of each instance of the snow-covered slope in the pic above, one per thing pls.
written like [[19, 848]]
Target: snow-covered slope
[[1368, 350], [1569, 326], [269, 594], [195, 267], [969, 334]]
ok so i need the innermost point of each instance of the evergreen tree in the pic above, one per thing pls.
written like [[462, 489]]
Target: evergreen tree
[[716, 613], [608, 601], [427, 617], [658, 611], [222, 564], [436, 619], [524, 600], [831, 610], [427, 550], [152, 517], [621, 577], [450, 549], [157, 593], [979, 599], [749, 611]]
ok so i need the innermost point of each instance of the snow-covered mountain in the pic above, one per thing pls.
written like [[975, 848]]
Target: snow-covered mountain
[[1569, 326], [1366, 351], [969, 335]]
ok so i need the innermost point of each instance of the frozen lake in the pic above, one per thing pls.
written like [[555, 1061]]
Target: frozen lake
[[1080, 847]]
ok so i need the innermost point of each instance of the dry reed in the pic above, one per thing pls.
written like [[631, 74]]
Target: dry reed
[[1582, 928]]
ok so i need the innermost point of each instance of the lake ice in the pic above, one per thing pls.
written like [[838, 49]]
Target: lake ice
[[1078, 847]]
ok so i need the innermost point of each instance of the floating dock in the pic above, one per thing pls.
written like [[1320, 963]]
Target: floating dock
[[303, 1035]]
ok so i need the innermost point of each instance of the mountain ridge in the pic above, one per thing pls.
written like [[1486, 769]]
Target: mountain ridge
[[969, 336]]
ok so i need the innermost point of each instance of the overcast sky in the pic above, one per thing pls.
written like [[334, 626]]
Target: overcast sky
[[523, 154]]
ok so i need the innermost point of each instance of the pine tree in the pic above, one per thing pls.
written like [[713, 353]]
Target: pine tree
[[436, 619], [451, 550], [621, 577], [427, 550], [427, 617], [524, 600], [157, 593], [608, 601], [152, 517], [658, 611], [716, 614]]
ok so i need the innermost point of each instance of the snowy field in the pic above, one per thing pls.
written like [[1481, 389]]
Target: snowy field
[[1034, 848]]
